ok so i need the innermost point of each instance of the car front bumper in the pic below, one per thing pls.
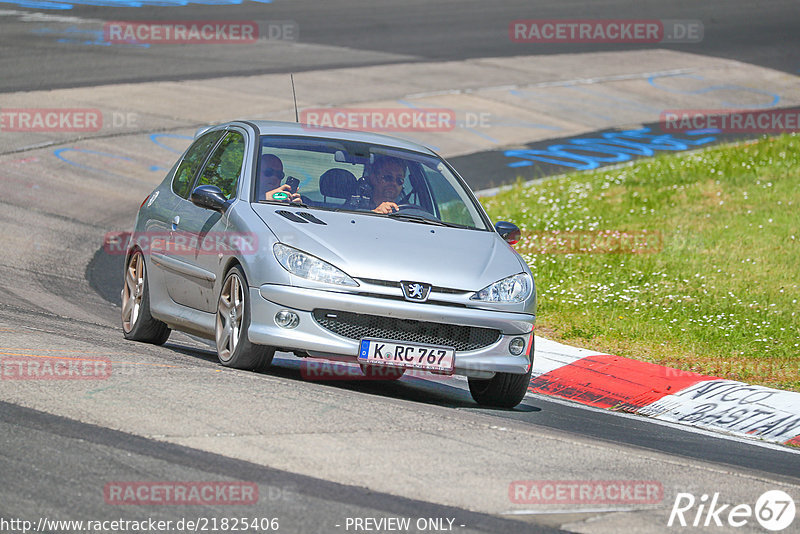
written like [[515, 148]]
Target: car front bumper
[[311, 337]]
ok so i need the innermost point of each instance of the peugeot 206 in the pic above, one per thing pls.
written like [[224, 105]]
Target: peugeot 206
[[335, 244]]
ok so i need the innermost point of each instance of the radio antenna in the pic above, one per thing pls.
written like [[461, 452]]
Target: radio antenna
[[294, 95]]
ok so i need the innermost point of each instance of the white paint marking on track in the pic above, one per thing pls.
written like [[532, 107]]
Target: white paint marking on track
[[678, 426], [549, 355], [27, 16], [732, 406]]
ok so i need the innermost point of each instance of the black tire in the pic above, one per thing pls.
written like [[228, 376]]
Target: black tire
[[503, 390], [137, 323], [233, 347], [382, 372]]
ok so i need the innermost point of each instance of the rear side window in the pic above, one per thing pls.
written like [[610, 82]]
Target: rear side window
[[225, 164], [184, 176]]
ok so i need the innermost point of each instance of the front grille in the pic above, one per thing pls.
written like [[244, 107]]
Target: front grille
[[403, 299], [359, 326], [434, 289]]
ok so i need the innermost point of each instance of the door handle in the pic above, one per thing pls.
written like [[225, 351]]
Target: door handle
[[175, 222]]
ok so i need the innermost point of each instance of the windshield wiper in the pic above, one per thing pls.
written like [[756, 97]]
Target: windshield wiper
[[416, 218], [427, 220], [456, 225]]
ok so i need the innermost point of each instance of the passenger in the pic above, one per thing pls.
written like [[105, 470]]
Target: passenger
[[386, 176], [269, 183]]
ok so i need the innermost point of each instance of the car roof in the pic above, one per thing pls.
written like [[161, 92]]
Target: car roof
[[306, 130]]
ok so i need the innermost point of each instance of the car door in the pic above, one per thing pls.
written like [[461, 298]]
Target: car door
[[200, 235], [165, 258]]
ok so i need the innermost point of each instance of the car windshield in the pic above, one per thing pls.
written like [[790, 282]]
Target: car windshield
[[361, 177]]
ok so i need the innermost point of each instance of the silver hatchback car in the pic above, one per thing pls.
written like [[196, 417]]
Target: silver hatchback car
[[331, 244]]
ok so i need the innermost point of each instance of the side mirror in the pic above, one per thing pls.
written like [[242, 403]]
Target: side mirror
[[209, 197], [508, 231]]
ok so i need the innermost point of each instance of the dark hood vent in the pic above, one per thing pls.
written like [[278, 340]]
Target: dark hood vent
[[291, 216], [311, 218], [301, 217]]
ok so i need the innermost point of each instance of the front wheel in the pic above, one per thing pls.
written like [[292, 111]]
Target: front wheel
[[503, 390], [233, 321], [137, 323]]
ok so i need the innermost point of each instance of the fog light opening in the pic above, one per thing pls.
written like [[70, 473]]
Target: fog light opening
[[287, 319], [516, 346]]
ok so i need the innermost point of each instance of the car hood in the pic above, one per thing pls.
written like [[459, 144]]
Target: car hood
[[376, 247]]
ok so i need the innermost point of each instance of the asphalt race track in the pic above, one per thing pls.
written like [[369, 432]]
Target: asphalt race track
[[319, 452], [349, 33]]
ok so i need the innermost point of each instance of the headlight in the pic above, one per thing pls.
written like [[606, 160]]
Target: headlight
[[307, 266], [515, 288]]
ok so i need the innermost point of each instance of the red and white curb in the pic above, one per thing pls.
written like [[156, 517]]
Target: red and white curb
[[622, 384]]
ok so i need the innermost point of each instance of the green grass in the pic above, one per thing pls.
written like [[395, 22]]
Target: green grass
[[717, 295]]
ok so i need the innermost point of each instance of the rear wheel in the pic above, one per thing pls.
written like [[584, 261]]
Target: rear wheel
[[233, 321], [503, 390], [137, 323]]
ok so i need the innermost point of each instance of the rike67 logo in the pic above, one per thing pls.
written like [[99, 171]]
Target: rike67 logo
[[774, 510]]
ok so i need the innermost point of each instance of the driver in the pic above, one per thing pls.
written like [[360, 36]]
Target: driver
[[269, 182], [386, 175]]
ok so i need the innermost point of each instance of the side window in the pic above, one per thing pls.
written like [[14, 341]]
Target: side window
[[452, 207], [184, 176], [225, 164]]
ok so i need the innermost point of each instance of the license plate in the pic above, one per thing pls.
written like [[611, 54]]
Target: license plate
[[408, 355]]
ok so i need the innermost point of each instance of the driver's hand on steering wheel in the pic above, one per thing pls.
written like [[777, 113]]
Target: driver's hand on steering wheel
[[386, 207]]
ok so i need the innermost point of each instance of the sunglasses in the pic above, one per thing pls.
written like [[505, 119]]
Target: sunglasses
[[391, 178], [272, 172]]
